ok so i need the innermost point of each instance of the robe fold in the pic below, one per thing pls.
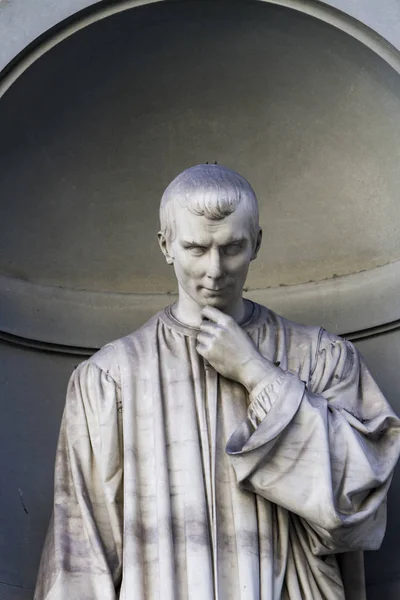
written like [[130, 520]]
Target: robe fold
[[173, 483]]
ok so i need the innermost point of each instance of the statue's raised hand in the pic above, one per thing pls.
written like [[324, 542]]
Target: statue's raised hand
[[229, 349]]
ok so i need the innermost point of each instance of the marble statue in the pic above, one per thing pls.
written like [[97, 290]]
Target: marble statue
[[220, 452]]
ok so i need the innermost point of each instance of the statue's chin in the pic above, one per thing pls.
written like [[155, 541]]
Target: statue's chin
[[217, 301], [223, 299]]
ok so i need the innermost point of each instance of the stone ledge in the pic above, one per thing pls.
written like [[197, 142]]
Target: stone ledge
[[86, 319]]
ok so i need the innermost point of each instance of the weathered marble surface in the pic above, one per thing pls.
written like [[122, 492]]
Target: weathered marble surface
[[146, 409], [220, 451]]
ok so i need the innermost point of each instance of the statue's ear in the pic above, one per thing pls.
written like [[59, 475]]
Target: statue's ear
[[258, 244], [165, 247]]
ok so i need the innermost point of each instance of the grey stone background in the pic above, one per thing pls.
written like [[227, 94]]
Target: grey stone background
[[95, 128]]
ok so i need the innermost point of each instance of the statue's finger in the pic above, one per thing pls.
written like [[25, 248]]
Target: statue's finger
[[213, 314], [209, 327], [204, 338], [201, 349]]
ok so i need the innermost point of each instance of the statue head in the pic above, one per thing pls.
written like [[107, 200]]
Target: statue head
[[210, 233]]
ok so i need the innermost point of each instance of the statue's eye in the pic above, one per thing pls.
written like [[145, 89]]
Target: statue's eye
[[232, 249], [197, 250]]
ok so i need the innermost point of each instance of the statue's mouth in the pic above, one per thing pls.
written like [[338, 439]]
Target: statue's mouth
[[214, 290]]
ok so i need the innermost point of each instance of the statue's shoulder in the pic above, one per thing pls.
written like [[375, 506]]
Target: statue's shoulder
[[297, 337], [127, 348], [291, 329], [306, 346]]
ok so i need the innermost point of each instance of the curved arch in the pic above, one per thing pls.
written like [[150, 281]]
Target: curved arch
[[96, 12]]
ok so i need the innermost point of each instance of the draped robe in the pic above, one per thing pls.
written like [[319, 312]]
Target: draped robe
[[173, 483]]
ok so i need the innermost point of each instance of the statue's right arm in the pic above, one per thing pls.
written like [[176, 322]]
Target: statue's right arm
[[82, 556], [324, 449]]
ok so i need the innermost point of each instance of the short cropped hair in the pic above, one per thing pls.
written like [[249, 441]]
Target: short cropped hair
[[212, 191]]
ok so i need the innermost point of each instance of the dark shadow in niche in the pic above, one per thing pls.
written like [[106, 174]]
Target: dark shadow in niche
[[101, 123]]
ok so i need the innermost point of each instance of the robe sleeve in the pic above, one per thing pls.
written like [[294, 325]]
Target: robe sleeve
[[82, 555], [324, 450]]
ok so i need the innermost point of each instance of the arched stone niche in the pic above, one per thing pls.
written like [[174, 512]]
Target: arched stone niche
[[93, 128], [109, 115]]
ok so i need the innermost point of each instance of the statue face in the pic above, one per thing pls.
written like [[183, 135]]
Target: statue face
[[211, 258]]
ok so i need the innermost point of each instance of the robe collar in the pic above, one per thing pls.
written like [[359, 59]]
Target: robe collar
[[257, 317]]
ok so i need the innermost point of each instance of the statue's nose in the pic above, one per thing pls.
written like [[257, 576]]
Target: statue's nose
[[215, 265]]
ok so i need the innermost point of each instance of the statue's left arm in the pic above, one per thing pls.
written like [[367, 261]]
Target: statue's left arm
[[324, 450], [82, 555]]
